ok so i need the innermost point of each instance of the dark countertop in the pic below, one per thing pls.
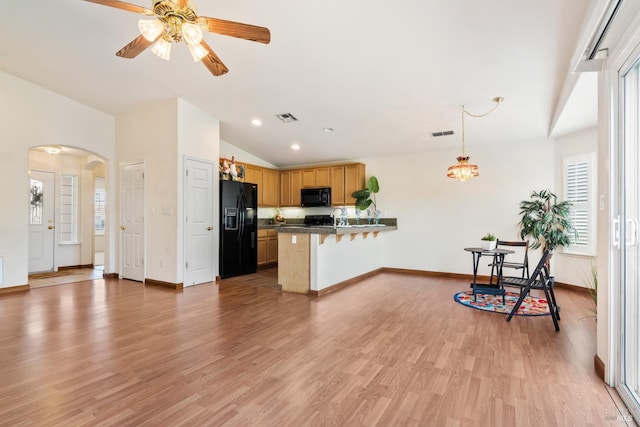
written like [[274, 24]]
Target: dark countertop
[[296, 225], [350, 229]]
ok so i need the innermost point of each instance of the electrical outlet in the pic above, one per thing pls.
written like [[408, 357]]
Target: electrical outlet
[[293, 239]]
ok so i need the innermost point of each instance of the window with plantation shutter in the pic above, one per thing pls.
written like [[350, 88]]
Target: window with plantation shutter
[[579, 189], [68, 209]]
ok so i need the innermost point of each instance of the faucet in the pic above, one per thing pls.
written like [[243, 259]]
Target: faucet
[[343, 219]]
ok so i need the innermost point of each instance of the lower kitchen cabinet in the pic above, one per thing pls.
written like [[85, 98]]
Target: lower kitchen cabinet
[[267, 247]]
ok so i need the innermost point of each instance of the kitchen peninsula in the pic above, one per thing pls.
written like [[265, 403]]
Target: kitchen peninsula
[[318, 259]]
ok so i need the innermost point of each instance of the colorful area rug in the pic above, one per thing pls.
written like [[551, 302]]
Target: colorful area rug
[[531, 306]]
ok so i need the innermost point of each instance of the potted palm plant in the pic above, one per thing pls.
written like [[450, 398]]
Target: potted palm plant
[[546, 220]]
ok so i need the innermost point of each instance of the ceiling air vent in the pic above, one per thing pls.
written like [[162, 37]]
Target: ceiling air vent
[[287, 117], [443, 133]]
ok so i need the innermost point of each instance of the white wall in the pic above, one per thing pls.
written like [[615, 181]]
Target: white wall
[[149, 134], [199, 138], [568, 268], [228, 150], [31, 116], [439, 216]]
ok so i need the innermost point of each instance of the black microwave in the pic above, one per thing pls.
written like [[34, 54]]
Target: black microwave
[[311, 197]]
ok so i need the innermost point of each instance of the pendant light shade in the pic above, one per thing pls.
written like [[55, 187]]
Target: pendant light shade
[[463, 170]]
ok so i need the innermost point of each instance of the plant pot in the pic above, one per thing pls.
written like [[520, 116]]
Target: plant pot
[[488, 245]]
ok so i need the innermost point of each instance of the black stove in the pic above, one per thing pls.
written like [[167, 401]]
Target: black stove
[[316, 220]]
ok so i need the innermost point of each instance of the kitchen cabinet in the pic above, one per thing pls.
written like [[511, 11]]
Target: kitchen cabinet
[[268, 181], [285, 188], [270, 188], [308, 178], [267, 247], [343, 180], [336, 183], [296, 185], [353, 181], [290, 185], [253, 174], [323, 177]]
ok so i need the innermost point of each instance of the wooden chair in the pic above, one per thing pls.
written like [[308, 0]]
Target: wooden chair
[[540, 279], [524, 265]]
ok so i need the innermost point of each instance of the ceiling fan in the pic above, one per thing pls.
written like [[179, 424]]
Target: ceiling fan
[[177, 20]]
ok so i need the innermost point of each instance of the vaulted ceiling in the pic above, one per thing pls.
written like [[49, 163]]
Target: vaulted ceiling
[[383, 75]]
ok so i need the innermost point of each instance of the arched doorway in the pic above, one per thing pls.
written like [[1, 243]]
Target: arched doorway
[[77, 193]]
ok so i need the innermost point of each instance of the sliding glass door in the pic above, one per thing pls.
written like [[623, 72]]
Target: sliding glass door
[[627, 266]]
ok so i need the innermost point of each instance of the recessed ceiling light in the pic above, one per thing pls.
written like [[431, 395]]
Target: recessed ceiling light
[[256, 122], [327, 129], [295, 147]]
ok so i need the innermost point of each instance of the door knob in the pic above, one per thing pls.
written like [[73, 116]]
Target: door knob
[[122, 227], [209, 228], [50, 227]]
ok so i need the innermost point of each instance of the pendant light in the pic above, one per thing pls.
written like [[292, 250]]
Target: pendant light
[[463, 170]]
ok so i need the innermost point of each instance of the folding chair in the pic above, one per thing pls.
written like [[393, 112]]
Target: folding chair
[[524, 265], [540, 279]]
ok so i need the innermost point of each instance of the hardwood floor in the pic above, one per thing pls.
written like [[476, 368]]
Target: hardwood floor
[[392, 350]]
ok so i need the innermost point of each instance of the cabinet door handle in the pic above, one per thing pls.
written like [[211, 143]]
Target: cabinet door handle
[[209, 228]]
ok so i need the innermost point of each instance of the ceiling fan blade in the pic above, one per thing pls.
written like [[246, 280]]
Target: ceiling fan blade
[[236, 29], [124, 6], [135, 48], [212, 62]]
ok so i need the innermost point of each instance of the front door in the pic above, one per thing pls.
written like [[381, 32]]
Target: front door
[[41, 221], [132, 241], [198, 222]]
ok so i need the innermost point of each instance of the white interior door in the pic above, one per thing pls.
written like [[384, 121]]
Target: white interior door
[[198, 222], [132, 239], [41, 221]]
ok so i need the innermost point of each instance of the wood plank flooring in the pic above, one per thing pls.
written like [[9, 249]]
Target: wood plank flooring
[[392, 350]]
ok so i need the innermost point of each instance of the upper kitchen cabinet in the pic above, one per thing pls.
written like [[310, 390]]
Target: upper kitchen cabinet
[[336, 183], [268, 181], [271, 188], [343, 180], [290, 185], [353, 181], [308, 178], [323, 177]]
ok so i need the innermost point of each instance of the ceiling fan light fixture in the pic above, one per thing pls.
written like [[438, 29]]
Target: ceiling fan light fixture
[[197, 52], [162, 48], [191, 34], [150, 28]]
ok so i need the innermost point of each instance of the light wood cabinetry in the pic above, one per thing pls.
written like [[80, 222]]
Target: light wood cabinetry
[[282, 188], [290, 185], [337, 185], [272, 246], [268, 181], [270, 188], [296, 185], [308, 178], [253, 174], [343, 180], [285, 188], [267, 247], [353, 181], [323, 177]]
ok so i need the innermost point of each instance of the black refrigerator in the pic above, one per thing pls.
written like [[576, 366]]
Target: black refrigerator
[[238, 228]]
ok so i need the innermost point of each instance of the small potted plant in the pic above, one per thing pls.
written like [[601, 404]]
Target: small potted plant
[[488, 242]]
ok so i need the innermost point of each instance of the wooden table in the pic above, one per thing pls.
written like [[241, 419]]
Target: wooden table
[[498, 258]]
